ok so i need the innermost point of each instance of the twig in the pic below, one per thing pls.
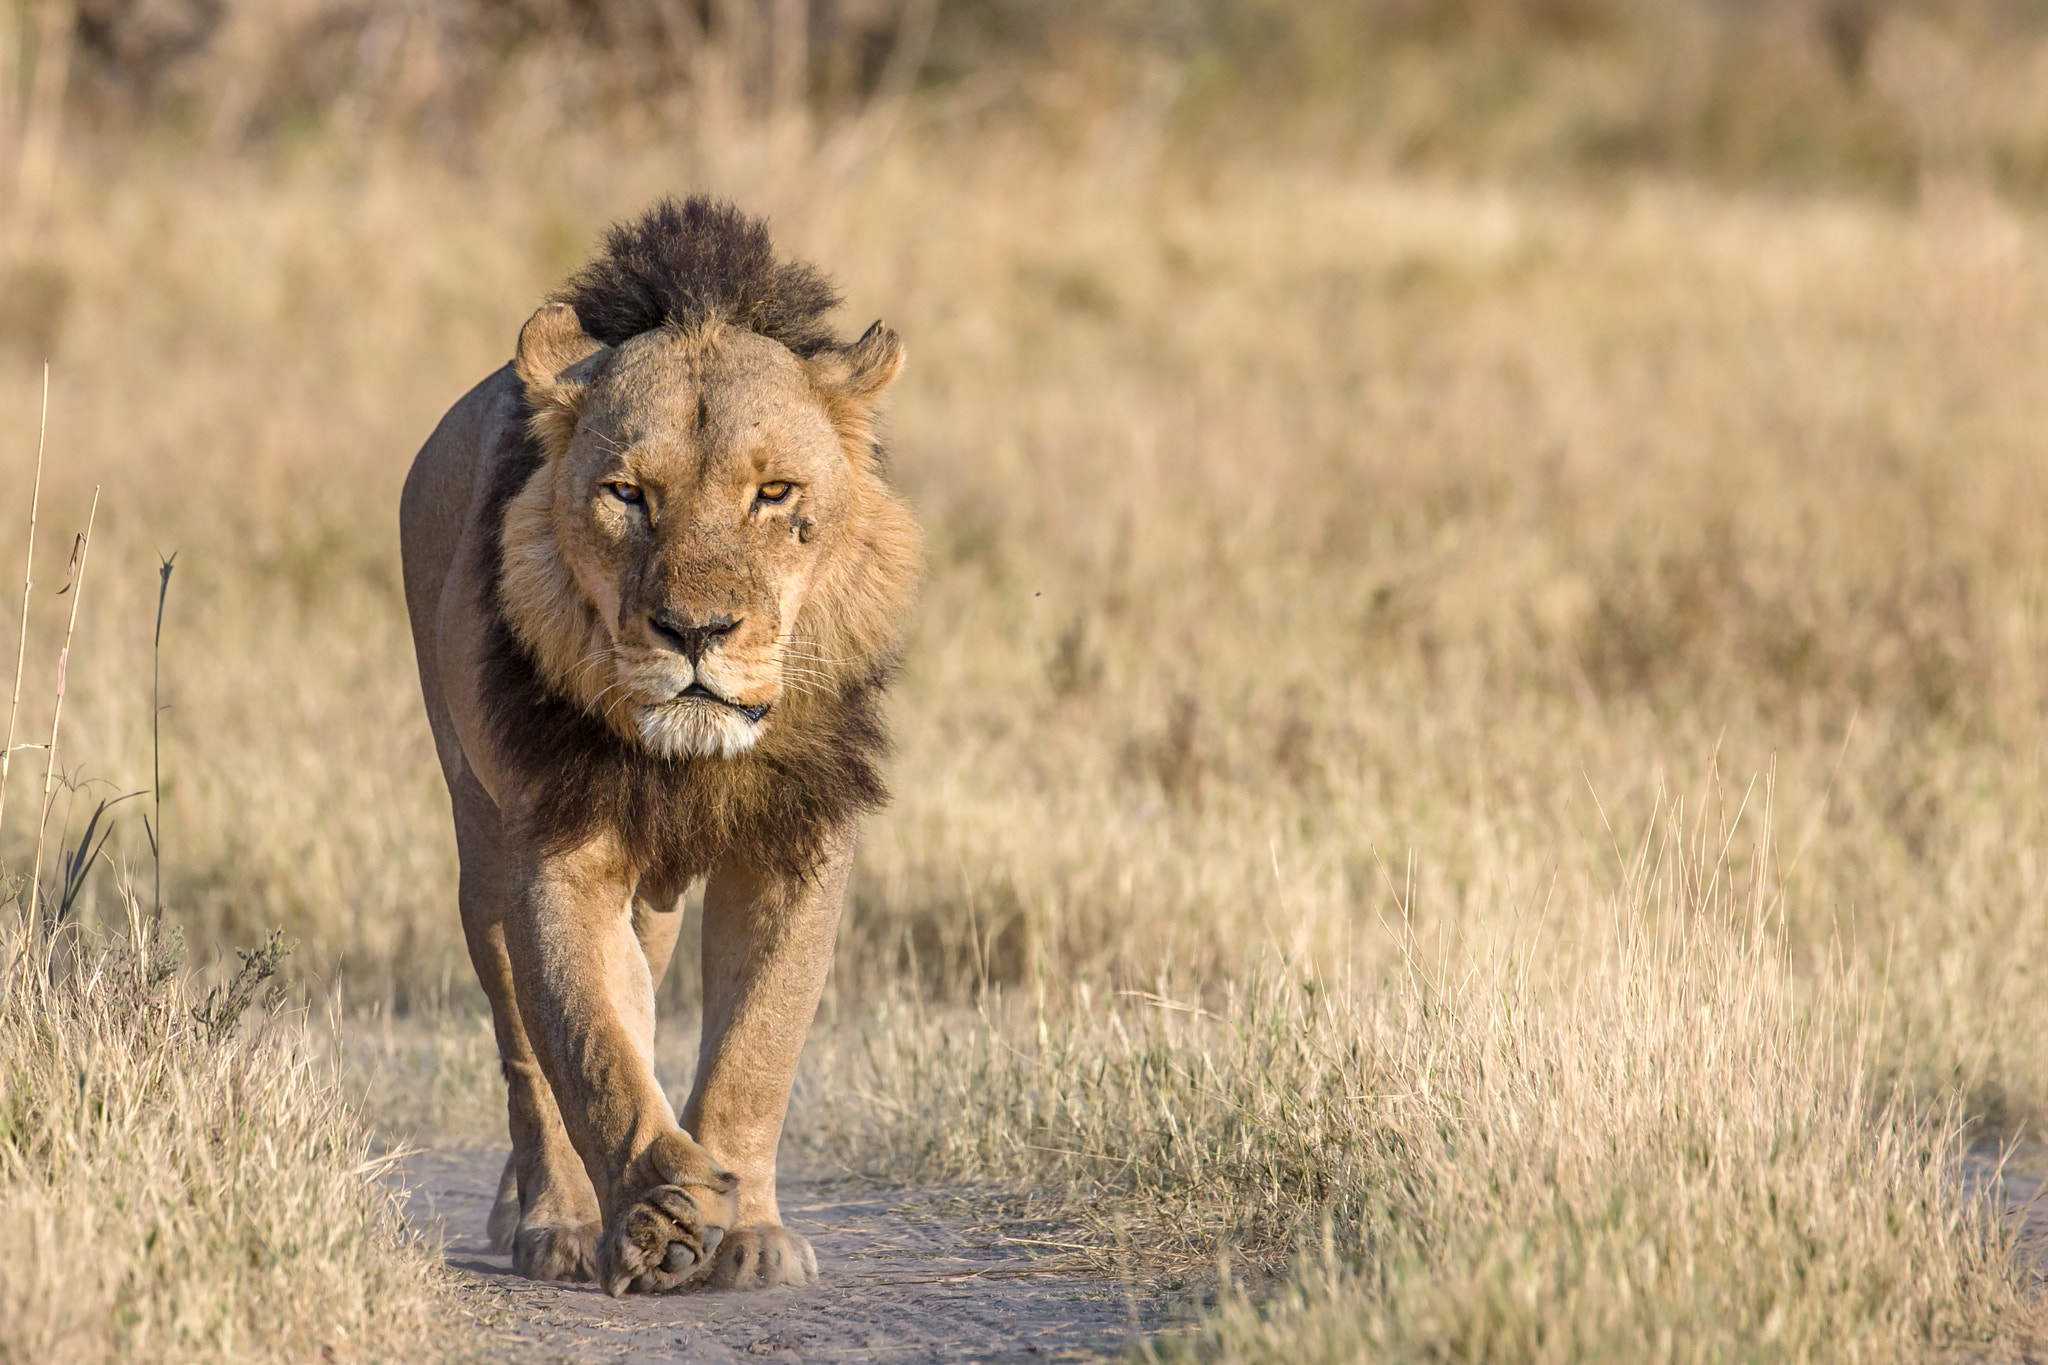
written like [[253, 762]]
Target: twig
[[35, 498], [156, 762], [77, 590]]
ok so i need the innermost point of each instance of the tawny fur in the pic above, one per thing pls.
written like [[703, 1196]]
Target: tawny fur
[[658, 583]]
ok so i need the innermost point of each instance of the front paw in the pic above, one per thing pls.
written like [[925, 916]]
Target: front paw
[[668, 1234], [659, 1242], [761, 1256]]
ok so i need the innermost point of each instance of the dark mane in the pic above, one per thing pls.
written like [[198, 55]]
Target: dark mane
[[678, 265], [683, 264], [676, 816]]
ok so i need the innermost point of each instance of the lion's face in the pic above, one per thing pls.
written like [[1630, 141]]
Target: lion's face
[[693, 508], [699, 488]]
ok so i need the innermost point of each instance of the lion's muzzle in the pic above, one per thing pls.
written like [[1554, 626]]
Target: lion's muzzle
[[698, 692]]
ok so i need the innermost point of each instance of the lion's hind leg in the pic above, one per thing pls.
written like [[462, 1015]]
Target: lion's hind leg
[[505, 1209], [554, 1249]]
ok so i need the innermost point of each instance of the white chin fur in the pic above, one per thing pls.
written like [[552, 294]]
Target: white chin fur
[[696, 730]]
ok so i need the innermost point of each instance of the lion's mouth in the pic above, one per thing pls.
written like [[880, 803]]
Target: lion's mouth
[[697, 691]]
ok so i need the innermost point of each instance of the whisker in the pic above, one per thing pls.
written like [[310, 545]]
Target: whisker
[[805, 648], [598, 700], [612, 709], [592, 660]]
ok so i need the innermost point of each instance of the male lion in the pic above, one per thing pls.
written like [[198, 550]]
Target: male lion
[[657, 583]]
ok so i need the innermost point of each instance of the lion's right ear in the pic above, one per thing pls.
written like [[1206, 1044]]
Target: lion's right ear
[[556, 362]]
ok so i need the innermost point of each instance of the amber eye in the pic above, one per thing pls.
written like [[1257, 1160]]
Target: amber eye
[[624, 492], [776, 490]]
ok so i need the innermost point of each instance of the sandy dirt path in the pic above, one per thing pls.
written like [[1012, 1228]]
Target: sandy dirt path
[[902, 1278]]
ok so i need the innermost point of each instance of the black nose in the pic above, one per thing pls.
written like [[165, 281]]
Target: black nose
[[688, 637]]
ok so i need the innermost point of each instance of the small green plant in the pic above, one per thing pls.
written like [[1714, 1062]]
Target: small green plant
[[76, 862], [226, 1003]]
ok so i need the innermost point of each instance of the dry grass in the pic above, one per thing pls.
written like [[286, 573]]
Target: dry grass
[[1277, 520], [1675, 1154], [178, 1187], [1334, 565]]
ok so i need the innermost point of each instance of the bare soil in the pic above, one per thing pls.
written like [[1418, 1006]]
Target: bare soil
[[904, 1276]]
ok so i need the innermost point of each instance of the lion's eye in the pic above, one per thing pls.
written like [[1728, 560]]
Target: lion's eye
[[624, 492], [776, 490]]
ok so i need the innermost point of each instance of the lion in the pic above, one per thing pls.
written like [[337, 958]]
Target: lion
[[658, 584]]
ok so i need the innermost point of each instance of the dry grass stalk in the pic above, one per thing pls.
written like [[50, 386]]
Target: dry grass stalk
[[75, 585], [35, 499], [155, 830]]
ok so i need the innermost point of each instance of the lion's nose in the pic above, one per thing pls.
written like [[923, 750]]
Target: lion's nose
[[691, 638]]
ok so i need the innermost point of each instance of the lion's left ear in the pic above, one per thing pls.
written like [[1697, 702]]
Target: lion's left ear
[[858, 373], [851, 380], [556, 362]]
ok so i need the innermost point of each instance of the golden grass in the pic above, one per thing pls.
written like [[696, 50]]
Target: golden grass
[[1677, 1154], [174, 1187], [1334, 568]]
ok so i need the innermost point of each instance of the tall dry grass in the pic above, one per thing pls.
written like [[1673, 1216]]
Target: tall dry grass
[[182, 1173], [179, 1183], [1278, 518], [1679, 1153]]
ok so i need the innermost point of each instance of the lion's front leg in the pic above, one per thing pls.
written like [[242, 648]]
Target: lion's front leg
[[768, 941], [587, 1000]]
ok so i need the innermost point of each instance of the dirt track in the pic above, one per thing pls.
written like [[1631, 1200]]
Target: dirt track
[[900, 1279], [904, 1277]]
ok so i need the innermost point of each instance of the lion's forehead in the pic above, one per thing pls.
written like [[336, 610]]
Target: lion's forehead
[[737, 371], [730, 410]]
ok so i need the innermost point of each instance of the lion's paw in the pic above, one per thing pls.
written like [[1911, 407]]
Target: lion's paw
[[761, 1256], [556, 1251], [662, 1240]]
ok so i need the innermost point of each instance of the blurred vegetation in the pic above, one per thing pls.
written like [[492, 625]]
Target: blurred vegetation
[[1874, 94]]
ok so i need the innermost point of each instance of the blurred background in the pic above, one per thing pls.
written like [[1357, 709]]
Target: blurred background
[[1377, 457], [1864, 95]]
